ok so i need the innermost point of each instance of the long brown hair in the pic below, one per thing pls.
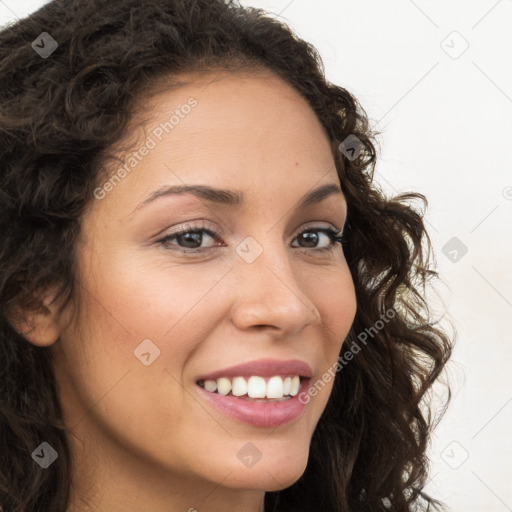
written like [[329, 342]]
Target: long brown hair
[[62, 113]]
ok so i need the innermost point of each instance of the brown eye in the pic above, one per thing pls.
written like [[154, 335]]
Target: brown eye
[[189, 239], [312, 236]]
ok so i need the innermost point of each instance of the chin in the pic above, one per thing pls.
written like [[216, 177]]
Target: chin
[[280, 472]]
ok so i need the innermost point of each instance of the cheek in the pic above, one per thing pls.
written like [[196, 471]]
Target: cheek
[[126, 377], [336, 301], [142, 324], [156, 296], [132, 331]]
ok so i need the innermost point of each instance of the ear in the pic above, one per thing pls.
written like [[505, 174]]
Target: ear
[[40, 327]]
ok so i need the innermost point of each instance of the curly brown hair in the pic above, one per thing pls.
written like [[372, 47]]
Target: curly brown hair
[[61, 115]]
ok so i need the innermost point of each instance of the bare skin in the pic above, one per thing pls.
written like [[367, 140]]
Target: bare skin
[[143, 437]]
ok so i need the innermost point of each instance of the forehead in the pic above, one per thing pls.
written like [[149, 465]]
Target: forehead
[[242, 104], [252, 129]]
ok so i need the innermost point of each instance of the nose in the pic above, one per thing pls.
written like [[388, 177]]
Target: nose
[[269, 292]]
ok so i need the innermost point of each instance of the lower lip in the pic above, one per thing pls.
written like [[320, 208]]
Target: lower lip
[[259, 414]]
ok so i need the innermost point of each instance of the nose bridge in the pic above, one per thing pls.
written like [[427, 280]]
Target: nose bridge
[[269, 293]]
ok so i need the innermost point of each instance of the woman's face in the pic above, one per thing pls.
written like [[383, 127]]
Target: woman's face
[[159, 315]]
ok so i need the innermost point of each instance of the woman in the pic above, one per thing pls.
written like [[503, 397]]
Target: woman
[[206, 303]]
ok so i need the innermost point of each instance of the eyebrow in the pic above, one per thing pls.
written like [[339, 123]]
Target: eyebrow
[[235, 198]]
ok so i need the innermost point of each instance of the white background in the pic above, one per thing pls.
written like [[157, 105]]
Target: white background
[[446, 124]]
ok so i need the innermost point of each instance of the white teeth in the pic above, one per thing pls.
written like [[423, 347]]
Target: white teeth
[[275, 387], [239, 386], [223, 386], [294, 386], [210, 385], [286, 385], [255, 387]]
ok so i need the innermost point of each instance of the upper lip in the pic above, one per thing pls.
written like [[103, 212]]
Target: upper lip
[[263, 368]]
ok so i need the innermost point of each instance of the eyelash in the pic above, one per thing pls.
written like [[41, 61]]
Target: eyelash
[[334, 236]]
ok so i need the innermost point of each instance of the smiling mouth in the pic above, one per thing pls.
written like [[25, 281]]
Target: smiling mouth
[[256, 400], [277, 388]]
